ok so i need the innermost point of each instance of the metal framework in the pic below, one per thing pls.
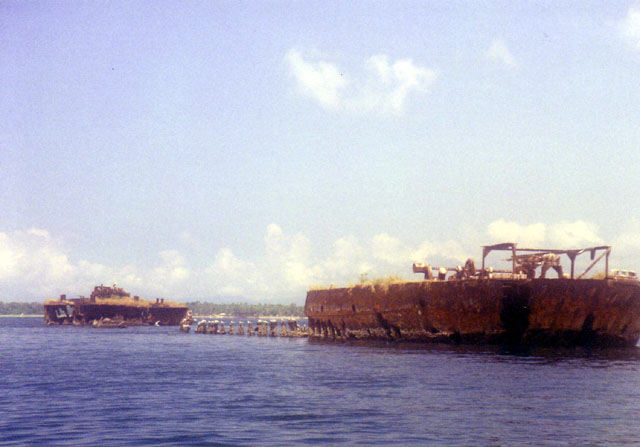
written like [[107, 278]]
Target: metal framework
[[572, 254]]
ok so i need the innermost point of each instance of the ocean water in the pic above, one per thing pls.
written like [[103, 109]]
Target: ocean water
[[156, 386]]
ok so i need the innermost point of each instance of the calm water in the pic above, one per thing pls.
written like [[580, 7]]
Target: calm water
[[156, 386]]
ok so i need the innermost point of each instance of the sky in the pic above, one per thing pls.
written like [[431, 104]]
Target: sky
[[247, 151]]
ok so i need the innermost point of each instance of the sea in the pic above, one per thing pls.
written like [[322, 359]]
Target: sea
[[140, 386]]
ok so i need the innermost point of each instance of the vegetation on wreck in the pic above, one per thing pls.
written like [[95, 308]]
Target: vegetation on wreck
[[380, 281], [384, 282], [115, 300], [365, 281]]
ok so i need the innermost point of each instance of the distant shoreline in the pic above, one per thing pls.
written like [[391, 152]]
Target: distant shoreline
[[22, 316]]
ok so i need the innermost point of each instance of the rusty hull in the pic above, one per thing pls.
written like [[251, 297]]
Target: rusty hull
[[540, 312], [83, 311]]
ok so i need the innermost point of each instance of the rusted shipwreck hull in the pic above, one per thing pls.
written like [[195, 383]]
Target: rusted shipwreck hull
[[531, 312], [80, 311], [483, 309], [115, 305]]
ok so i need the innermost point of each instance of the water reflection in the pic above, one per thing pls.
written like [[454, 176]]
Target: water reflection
[[598, 357]]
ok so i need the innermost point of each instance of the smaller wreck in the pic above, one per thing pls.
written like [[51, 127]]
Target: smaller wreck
[[113, 307]]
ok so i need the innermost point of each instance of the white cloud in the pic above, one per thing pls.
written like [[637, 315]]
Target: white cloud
[[38, 232], [499, 52], [389, 249], [320, 80], [32, 263], [300, 248], [346, 262], [9, 258], [627, 245], [36, 265], [559, 235], [384, 87], [298, 275], [447, 251], [172, 258], [228, 275], [287, 265], [273, 240], [168, 277], [573, 234], [226, 263], [503, 231], [562, 234], [388, 85], [630, 27]]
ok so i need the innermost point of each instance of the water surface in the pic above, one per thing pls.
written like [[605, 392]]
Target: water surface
[[154, 385]]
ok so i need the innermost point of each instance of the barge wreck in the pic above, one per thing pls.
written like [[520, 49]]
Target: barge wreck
[[505, 307], [113, 307]]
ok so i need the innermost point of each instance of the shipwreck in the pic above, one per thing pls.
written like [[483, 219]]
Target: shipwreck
[[512, 306], [113, 307]]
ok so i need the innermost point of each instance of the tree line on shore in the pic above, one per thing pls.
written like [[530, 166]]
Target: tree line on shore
[[197, 307], [14, 308], [245, 309]]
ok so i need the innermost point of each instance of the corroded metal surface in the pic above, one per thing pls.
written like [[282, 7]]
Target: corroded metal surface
[[113, 304], [82, 311], [551, 312]]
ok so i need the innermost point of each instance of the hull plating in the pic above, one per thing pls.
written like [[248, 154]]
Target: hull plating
[[543, 312]]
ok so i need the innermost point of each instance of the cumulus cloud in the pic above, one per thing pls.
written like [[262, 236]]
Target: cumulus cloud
[[172, 269], [630, 27], [503, 231], [559, 235], [319, 80], [562, 234], [445, 251], [36, 265], [228, 275], [571, 234], [499, 52], [388, 249], [388, 85], [627, 244], [347, 261], [383, 87], [227, 264], [36, 260], [288, 260]]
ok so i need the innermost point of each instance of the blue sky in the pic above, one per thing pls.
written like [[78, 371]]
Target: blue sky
[[224, 150]]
